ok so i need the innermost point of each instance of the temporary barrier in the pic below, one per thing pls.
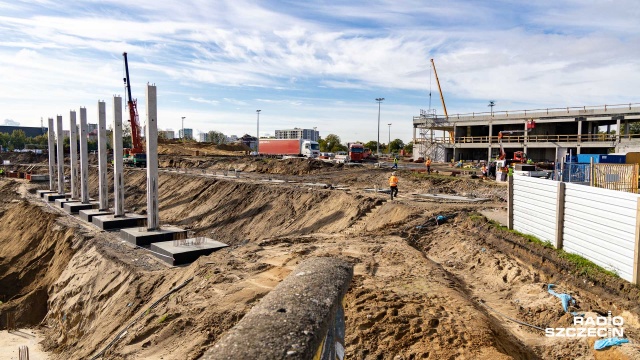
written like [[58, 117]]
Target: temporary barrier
[[601, 225]]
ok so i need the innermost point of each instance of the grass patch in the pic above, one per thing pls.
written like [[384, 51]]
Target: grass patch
[[582, 266], [162, 318]]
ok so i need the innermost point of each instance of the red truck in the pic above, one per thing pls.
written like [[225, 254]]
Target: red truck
[[356, 152], [289, 147]]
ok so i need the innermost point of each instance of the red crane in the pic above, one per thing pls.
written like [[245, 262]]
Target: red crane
[[134, 156], [136, 139]]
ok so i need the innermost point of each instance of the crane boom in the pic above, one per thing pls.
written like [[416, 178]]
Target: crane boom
[[444, 107], [136, 139]]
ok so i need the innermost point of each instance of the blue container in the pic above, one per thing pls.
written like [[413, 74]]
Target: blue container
[[570, 158], [601, 159], [613, 159]]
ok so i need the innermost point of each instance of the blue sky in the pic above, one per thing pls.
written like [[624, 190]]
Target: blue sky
[[315, 63]]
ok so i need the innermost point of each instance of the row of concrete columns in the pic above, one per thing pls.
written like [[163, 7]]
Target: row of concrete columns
[[153, 219]]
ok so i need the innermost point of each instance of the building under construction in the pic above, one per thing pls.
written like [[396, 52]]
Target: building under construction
[[543, 134]]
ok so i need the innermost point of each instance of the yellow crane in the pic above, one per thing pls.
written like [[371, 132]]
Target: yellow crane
[[444, 107]]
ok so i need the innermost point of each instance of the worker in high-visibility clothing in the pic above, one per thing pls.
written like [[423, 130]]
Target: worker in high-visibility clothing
[[485, 172], [428, 163], [393, 184]]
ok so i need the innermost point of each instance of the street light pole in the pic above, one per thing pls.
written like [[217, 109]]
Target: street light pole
[[379, 100], [183, 128], [258, 133], [389, 143]]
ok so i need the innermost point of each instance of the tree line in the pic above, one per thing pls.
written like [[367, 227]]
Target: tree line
[[332, 143]]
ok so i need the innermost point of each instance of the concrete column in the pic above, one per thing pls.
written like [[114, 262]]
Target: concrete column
[[414, 135], [73, 146], [579, 133], [489, 155], [84, 158], [102, 156], [52, 156], [490, 132], [590, 130], [118, 176], [560, 215], [60, 151], [626, 129], [526, 134], [455, 127], [618, 129], [153, 218]]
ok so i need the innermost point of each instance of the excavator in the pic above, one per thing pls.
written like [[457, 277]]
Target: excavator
[[134, 156]]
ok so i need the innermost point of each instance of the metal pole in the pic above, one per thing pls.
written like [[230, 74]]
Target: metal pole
[[60, 138], [389, 143], [379, 100], [118, 177], [258, 133], [73, 146], [102, 156], [52, 155], [84, 161], [153, 218]]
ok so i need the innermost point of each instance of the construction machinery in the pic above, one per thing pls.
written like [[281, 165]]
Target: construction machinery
[[135, 156], [444, 107], [518, 156]]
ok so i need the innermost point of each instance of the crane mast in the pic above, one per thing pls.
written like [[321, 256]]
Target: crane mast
[[136, 139], [444, 107]]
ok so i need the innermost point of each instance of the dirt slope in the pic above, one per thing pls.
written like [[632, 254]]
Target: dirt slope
[[415, 293]]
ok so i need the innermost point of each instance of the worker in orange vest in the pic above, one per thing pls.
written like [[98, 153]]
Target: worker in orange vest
[[393, 184], [428, 163], [484, 170]]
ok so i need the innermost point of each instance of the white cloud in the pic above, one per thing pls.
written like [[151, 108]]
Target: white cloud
[[316, 63]]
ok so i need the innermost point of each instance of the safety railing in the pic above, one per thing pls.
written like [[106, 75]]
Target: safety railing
[[537, 138], [524, 113], [301, 318]]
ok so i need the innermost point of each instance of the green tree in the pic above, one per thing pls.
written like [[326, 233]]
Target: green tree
[[408, 148], [332, 142], [373, 145], [396, 145], [323, 144], [5, 139], [18, 139], [216, 137], [339, 147]]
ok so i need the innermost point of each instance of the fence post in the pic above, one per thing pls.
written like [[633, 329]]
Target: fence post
[[636, 249], [560, 215], [592, 170], [510, 202]]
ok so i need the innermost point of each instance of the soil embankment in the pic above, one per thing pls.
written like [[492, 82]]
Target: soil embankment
[[416, 290]]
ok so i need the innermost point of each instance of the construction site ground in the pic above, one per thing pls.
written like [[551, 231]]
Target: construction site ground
[[420, 290]]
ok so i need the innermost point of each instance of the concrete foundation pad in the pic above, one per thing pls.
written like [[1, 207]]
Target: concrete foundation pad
[[87, 215], [75, 207], [61, 202], [55, 196], [41, 193], [144, 237], [447, 197], [110, 222], [178, 252], [381, 190]]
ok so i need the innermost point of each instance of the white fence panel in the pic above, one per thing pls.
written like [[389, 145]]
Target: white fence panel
[[600, 225], [534, 207]]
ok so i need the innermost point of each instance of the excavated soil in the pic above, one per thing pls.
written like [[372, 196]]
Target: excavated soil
[[420, 290]]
